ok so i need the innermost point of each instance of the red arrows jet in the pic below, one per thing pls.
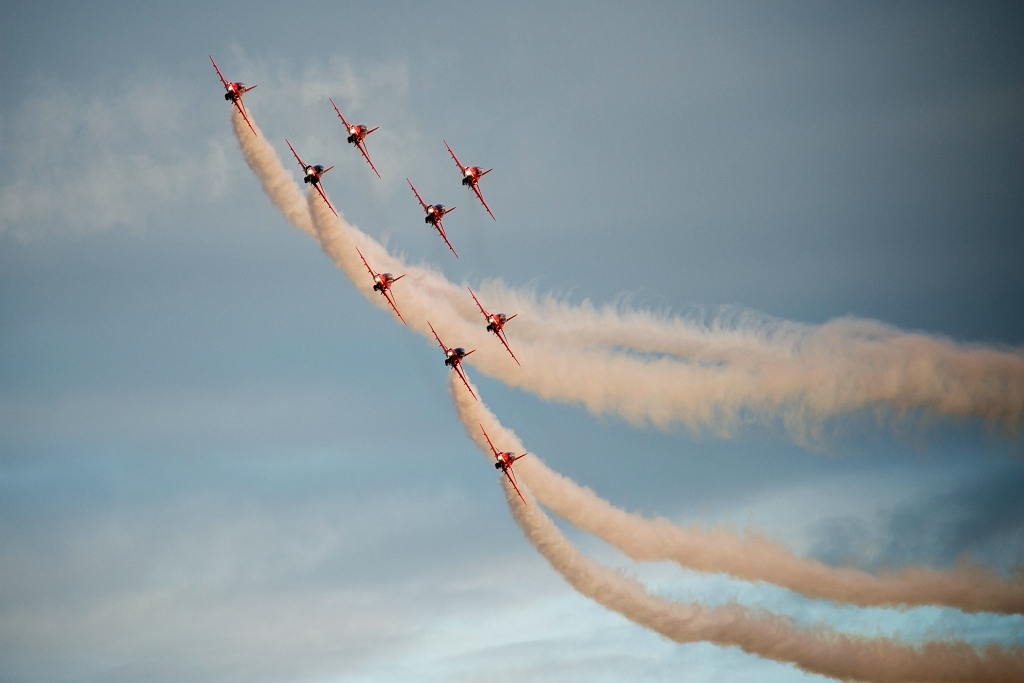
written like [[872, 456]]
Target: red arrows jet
[[435, 212], [495, 322], [471, 176], [312, 176], [382, 283], [234, 94], [453, 359], [504, 463], [356, 133]]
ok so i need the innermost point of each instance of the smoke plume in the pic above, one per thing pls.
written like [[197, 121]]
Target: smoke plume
[[705, 376], [817, 650], [277, 184], [605, 379], [971, 588], [713, 376]]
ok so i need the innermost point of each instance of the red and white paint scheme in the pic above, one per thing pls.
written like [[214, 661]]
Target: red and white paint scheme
[[435, 212], [234, 94], [312, 175], [471, 176], [453, 359], [356, 134], [382, 283], [504, 462], [496, 323]]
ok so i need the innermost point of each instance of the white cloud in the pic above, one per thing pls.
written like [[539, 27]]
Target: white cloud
[[117, 153], [293, 101], [90, 161]]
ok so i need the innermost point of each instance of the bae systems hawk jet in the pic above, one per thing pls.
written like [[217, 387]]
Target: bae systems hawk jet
[[234, 94], [435, 212], [504, 463], [382, 283], [312, 175], [356, 134], [453, 359], [495, 323], [471, 176]]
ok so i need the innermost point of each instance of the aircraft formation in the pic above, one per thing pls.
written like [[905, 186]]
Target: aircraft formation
[[434, 215]]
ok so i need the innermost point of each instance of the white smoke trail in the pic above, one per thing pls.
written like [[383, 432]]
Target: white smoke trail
[[591, 375], [753, 558], [817, 650], [843, 365], [712, 377], [279, 187], [770, 636]]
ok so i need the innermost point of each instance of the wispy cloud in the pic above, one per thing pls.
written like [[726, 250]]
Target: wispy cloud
[[85, 159], [293, 102], [228, 583], [981, 519]]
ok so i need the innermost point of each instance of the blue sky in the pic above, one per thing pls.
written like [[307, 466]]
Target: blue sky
[[217, 463]]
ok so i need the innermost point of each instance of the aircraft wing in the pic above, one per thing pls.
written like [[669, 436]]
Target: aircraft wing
[[418, 197], [241, 110], [440, 231], [372, 274], [328, 201], [340, 116], [436, 337], [482, 309], [493, 449], [501, 337], [362, 148], [461, 167], [462, 376], [387, 295], [512, 480], [222, 79], [481, 198], [296, 154]]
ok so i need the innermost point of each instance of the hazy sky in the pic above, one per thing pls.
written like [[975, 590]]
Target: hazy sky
[[217, 463]]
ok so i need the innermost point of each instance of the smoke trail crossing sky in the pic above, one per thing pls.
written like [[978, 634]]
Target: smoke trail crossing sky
[[626, 385], [428, 295], [754, 558], [817, 650], [731, 375], [280, 188]]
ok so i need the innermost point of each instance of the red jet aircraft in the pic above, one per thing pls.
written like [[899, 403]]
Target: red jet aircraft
[[504, 463], [471, 176], [356, 133], [234, 94], [453, 359], [382, 283], [312, 176], [495, 323], [435, 212]]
